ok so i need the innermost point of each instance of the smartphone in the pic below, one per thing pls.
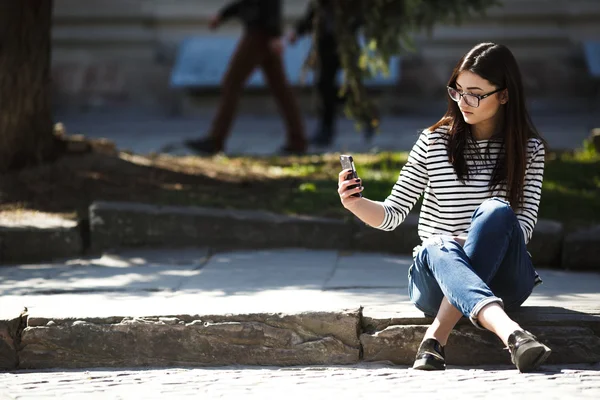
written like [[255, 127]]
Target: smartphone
[[348, 163]]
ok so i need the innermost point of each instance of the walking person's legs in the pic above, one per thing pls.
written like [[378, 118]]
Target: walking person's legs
[[329, 65], [492, 270], [272, 65], [243, 61]]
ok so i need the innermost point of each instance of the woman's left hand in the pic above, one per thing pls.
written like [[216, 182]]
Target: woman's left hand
[[460, 240]]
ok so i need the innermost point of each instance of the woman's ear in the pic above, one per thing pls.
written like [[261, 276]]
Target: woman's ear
[[503, 96]]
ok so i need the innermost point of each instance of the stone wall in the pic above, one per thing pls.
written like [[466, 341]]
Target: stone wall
[[120, 52]]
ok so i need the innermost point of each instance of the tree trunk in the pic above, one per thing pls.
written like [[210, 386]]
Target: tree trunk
[[26, 136]]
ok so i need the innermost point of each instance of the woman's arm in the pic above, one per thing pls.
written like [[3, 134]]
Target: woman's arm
[[387, 215], [370, 212], [532, 191]]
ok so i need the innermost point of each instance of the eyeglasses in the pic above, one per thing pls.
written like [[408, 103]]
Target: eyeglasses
[[470, 98]]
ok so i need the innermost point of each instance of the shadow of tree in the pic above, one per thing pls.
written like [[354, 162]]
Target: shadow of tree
[[72, 183]]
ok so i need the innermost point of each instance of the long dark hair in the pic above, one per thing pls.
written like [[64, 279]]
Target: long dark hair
[[496, 64]]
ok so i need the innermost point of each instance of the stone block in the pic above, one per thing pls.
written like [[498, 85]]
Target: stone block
[[581, 250], [8, 343], [38, 237], [253, 339], [468, 345], [11, 322], [402, 240], [546, 243], [115, 225]]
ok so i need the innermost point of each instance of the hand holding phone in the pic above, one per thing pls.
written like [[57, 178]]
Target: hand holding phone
[[348, 164]]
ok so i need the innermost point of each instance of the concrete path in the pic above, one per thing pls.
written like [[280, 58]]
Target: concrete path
[[172, 282], [324, 382], [262, 135]]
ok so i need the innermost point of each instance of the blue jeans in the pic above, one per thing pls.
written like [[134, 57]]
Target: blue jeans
[[492, 267]]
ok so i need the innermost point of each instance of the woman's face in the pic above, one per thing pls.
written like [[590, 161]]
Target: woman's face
[[469, 82]]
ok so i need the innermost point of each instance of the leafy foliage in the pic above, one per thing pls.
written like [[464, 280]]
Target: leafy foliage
[[387, 28]]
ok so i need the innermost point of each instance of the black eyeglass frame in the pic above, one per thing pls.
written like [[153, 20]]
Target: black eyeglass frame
[[479, 97]]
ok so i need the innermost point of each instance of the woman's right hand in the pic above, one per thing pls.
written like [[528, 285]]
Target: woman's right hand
[[346, 194]]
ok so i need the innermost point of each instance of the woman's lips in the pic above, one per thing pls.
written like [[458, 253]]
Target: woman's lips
[[466, 112]]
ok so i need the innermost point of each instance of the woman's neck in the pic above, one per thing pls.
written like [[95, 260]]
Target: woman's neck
[[485, 130]]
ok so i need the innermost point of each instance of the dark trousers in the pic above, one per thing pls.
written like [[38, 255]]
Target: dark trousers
[[328, 88], [327, 85], [253, 51]]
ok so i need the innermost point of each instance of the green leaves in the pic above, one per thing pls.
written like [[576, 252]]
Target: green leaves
[[388, 27]]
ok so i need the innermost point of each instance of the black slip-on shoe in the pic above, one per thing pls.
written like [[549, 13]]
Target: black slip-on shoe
[[204, 146], [526, 352], [430, 357], [288, 150]]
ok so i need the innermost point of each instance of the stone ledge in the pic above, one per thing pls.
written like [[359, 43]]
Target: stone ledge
[[581, 250], [41, 238], [38, 237], [316, 338], [258, 339], [8, 343], [468, 345], [573, 336], [545, 245], [116, 225], [401, 240]]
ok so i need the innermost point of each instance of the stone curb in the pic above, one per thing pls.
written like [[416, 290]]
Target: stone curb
[[310, 338], [38, 240], [581, 250], [114, 225]]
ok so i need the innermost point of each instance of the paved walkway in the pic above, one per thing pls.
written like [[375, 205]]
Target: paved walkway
[[357, 382], [262, 135], [171, 282]]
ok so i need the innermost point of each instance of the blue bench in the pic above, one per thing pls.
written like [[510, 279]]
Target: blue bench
[[202, 61], [591, 50]]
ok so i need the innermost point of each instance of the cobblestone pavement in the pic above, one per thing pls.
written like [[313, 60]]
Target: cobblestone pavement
[[331, 382]]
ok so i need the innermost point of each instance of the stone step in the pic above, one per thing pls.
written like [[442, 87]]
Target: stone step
[[116, 225], [572, 336], [143, 22], [311, 338], [38, 237], [32, 236], [118, 10]]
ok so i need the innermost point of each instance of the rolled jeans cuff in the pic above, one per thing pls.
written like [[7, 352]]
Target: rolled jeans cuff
[[479, 306]]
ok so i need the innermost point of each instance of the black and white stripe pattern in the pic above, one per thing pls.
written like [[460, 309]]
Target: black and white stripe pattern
[[449, 204]]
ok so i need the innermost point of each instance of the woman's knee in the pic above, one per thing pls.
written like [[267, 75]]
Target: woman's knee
[[495, 210], [425, 299], [424, 291]]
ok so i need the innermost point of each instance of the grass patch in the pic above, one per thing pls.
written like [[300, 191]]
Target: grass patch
[[290, 185]]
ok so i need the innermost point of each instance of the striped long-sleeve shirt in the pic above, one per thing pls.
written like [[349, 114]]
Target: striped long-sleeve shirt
[[448, 204]]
